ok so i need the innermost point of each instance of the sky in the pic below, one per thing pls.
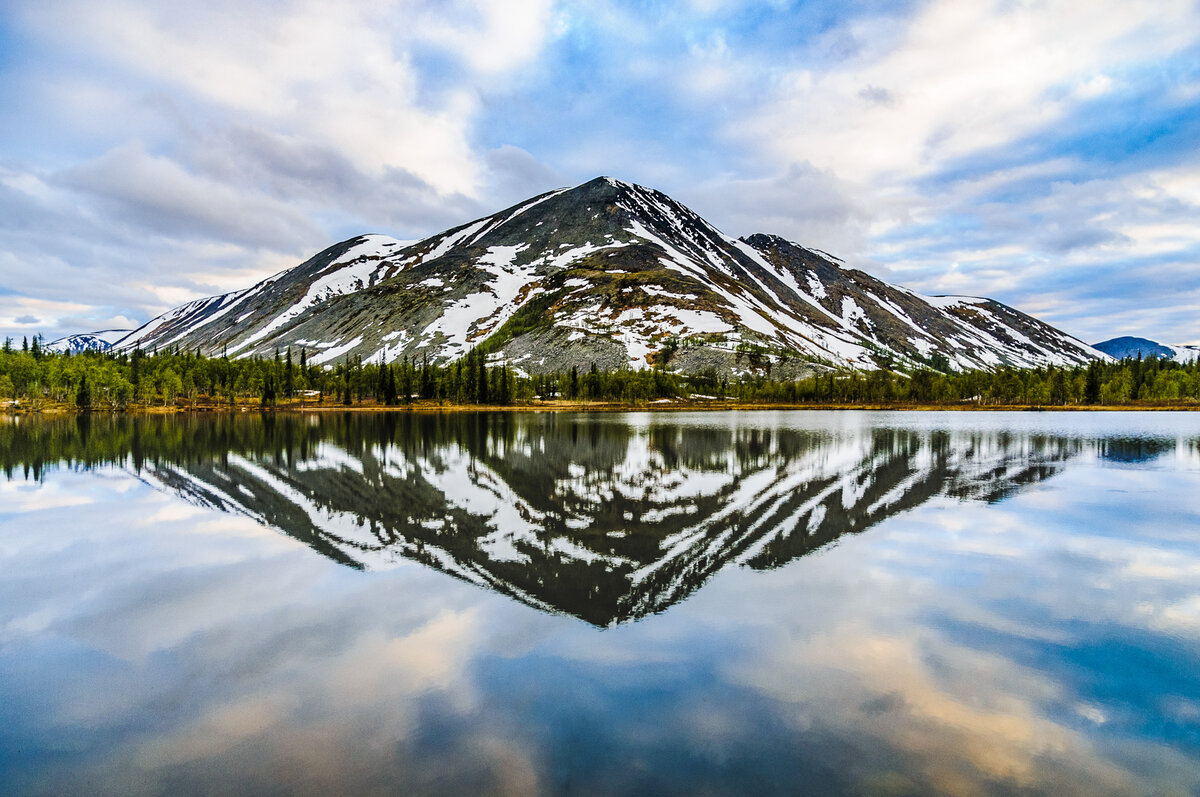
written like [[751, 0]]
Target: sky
[[1044, 153]]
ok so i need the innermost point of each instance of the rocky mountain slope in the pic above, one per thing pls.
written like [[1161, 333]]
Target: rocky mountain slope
[[607, 273]]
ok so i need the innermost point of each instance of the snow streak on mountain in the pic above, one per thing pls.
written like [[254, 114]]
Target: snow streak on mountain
[[607, 273]]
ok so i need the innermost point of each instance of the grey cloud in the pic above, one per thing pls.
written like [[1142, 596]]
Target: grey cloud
[[876, 95], [517, 175], [162, 197], [282, 165], [121, 232], [1066, 251], [805, 204], [77, 323], [1064, 241], [325, 183], [60, 245], [28, 319], [1093, 318], [405, 200]]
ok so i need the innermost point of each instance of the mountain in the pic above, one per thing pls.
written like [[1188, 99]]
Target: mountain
[[101, 340], [1123, 347], [607, 273]]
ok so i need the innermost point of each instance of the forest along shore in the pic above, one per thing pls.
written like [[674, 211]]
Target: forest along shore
[[33, 380], [14, 410]]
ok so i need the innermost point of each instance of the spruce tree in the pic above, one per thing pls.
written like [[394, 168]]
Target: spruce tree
[[426, 378], [389, 385], [481, 380], [505, 397], [406, 382], [1091, 388], [289, 378], [83, 397]]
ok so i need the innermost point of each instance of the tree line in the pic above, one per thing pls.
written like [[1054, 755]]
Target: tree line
[[32, 377]]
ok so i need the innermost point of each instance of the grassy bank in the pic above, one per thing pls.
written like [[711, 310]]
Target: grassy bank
[[53, 409]]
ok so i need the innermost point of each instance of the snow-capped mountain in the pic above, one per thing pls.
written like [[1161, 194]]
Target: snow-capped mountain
[[607, 273], [1123, 347], [101, 340]]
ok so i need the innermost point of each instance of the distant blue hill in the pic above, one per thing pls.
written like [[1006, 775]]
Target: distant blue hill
[[1134, 347]]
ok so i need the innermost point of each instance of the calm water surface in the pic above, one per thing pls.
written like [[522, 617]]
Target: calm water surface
[[732, 603]]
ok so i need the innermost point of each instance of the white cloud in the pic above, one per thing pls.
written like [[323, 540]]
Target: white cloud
[[497, 37], [340, 74], [319, 74], [962, 77], [1094, 87]]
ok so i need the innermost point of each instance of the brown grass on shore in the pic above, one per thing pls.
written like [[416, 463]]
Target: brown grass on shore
[[185, 406]]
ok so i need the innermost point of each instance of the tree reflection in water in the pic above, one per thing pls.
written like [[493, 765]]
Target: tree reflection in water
[[607, 518]]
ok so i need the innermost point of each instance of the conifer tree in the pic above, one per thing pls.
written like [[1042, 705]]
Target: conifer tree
[[268, 392], [406, 381], [1091, 389], [289, 378], [426, 378], [481, 379], [83, 397]]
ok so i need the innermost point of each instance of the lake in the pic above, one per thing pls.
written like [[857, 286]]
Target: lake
[[791, 602]]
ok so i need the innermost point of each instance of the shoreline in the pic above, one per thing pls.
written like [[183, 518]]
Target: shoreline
[[589, 406]]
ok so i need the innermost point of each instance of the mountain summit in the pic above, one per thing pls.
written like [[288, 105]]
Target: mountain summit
[[609, 273]]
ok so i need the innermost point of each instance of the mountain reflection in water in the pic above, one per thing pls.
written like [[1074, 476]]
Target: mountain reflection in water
[[607, 518]]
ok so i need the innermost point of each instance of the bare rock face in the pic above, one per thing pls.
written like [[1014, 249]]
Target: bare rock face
[[607, 273]]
